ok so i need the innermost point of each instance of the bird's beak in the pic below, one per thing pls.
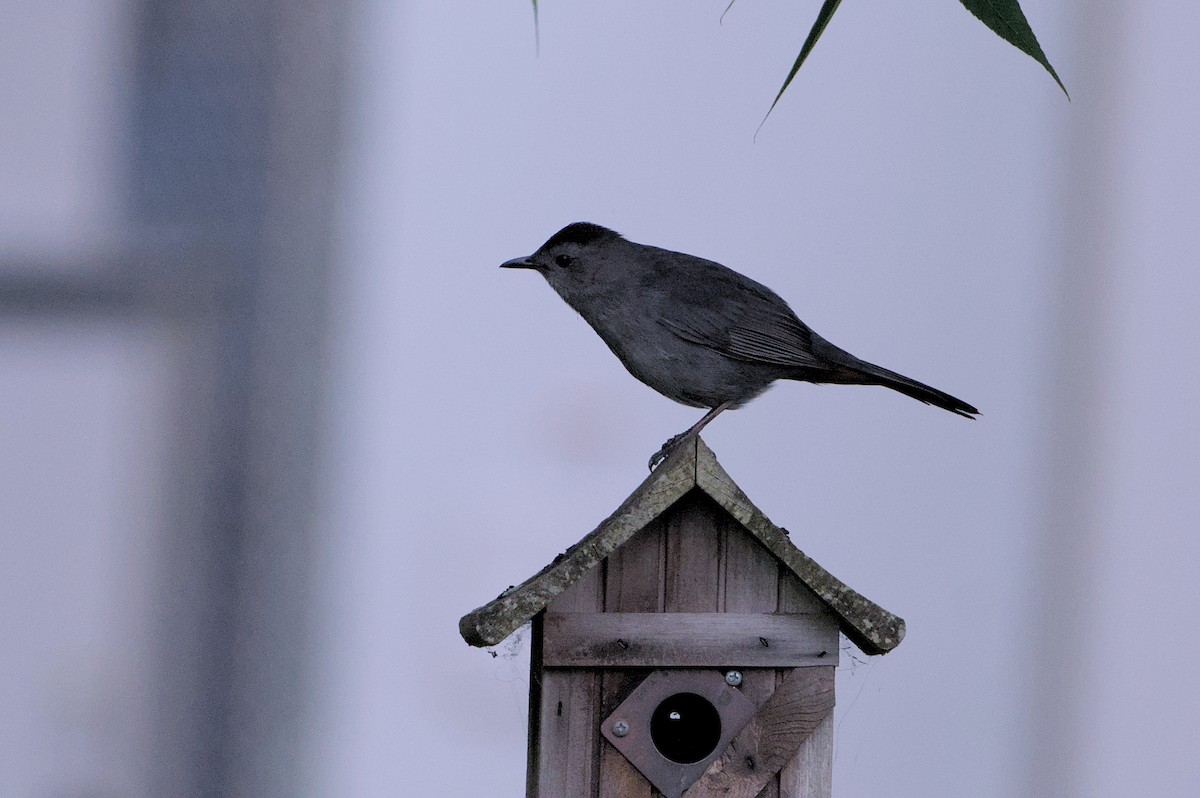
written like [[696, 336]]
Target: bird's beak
[[519, 263]]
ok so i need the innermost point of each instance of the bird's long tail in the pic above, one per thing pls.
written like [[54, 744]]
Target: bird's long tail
[[849, 370]]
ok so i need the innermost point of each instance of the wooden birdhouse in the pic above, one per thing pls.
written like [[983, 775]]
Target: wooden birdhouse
[[685, 647]]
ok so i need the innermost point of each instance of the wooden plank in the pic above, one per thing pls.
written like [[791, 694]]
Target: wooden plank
[[770, 740], [618, 777], [794, 598], [797, 598], [694, 529], [569, 733], [632, 584], [758, 684], [684, 639], [810, 772], [533, 750], [751, 574], [564, 755], [586, 595], [633, 578], [752, 585]]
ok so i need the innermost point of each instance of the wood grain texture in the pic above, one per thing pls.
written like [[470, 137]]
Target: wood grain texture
[[618, 777], [533, 754], [809, 774], [568, 734], [633, 575], [693, 555], [797, 707], [632, 584], [564, 753], [752, 577], [685, 639], [795, 597], [586, 595], [751, 573]]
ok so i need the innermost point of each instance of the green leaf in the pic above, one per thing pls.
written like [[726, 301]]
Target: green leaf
[[1002, 16], [1008, 21], [537, 34], [823, 17]]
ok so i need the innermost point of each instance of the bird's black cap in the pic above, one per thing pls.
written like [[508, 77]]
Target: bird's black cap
[[579, 233]]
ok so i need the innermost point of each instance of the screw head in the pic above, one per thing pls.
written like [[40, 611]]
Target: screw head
[[733, 678], [620, 728]]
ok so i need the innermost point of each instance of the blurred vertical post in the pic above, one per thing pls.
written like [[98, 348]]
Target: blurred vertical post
[[235, 131], [1074, 439]]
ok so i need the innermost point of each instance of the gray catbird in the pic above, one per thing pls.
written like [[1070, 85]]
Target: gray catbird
[[694, 330]]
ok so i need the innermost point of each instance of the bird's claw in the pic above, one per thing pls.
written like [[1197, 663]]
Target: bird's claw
[[667, 448]]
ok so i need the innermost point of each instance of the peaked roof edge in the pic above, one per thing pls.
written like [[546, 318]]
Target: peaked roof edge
[[496, 620], [870, 627]]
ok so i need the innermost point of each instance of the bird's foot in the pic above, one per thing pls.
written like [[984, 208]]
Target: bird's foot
[[667, 448], [694, 430]]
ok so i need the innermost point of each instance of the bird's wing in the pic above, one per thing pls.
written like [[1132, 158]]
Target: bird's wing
[[739, 318]]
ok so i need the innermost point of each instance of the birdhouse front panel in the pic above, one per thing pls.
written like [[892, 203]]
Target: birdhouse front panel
[[684, 648], [689, 629]]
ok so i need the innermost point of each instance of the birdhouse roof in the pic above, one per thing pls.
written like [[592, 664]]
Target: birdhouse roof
[[691, 466]]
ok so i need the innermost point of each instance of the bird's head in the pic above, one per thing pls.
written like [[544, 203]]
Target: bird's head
[[577, 259]]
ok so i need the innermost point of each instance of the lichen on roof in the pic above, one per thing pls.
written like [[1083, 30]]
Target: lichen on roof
[[691, 465]]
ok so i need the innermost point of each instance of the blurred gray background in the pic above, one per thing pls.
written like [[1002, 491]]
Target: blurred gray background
[[273, 419]]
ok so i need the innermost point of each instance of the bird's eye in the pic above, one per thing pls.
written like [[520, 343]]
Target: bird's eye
[[564, 260]]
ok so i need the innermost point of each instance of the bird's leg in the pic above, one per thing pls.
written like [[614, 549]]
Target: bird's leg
[[675, 440]]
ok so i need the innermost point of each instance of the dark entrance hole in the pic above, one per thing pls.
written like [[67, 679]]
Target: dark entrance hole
[[685, 728]]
